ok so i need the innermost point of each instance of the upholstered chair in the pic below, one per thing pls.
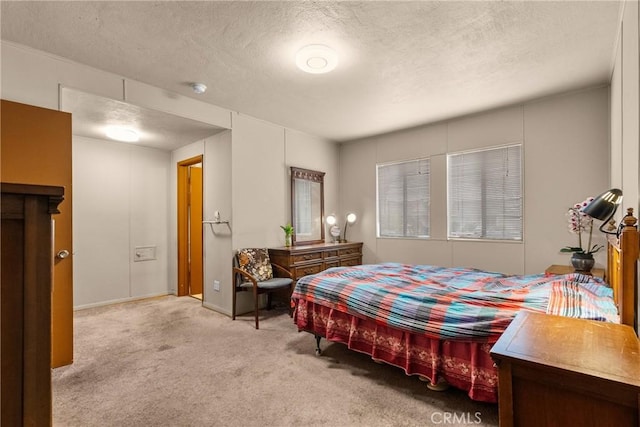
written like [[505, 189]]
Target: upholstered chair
[[253, 272]]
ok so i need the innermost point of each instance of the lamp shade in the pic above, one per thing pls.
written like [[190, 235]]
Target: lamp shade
[[604, 206]]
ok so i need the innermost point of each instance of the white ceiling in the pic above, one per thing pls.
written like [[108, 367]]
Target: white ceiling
[[402, 64]]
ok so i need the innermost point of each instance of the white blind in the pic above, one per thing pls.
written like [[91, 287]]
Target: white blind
[[485, 194], [403, 199]]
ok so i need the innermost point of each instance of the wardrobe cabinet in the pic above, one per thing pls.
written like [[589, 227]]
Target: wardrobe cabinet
[[25, 295]]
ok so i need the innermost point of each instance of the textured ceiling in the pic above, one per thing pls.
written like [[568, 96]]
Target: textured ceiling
[[402, 64]]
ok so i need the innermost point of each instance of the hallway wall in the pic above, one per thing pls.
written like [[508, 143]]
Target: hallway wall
[[121, 202]]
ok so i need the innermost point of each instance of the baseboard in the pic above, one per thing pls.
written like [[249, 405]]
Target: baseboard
[[118, 301], [216, 308]]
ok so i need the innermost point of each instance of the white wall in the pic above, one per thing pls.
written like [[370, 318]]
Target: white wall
[[33, 77], [566, 160], [260, 181], [256, 157], [309, 152], [630, 106], [120, 203], [218, 250], [565, 144], [262, 152], [625, 112], [257, 183]]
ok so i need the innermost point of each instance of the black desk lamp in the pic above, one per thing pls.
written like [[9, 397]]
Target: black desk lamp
[[604, 207]]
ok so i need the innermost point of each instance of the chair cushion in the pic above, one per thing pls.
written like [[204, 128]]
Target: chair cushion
[[255, 261], [276, 282]]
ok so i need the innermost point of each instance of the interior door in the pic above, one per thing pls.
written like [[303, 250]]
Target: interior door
[[36, 149], [190, 226], [195, 230]]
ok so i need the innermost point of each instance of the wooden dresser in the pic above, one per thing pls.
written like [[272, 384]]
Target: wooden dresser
[[27, 261], [560, 371], [304, 260]]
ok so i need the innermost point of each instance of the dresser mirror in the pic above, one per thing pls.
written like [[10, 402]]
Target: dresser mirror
[[307, 206]]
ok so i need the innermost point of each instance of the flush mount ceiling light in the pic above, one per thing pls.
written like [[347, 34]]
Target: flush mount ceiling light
[[316, 59], [122, 134], [199, 88]]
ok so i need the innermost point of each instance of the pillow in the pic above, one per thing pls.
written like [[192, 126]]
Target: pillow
[[256, 262]]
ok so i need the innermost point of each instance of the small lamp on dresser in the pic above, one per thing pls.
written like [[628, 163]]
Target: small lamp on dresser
[[334, 230], [350, 219]]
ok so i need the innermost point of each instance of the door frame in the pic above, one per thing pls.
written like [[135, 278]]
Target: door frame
[[183, 223]]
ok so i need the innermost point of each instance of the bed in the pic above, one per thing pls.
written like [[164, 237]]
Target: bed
[[440, 323]]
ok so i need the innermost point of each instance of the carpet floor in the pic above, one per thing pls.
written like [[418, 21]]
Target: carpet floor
[[170, 362]]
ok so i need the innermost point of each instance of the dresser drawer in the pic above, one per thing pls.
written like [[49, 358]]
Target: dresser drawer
[[303, 260], [331, 254], [308, 269], [350, 262], [349, 251], [332, 263], [312, 256]]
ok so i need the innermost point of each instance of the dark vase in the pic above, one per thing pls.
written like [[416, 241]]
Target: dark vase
[[582, 263]]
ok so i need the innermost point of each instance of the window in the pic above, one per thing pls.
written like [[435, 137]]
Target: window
[[485, 194], [403, 199]]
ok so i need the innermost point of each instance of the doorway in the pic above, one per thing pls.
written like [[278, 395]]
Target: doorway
[[190, 255]]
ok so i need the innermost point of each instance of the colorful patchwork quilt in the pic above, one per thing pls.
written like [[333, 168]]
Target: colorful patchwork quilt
[[453, 303]]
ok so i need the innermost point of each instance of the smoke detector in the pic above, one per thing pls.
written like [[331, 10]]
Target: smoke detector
[[199, 88]]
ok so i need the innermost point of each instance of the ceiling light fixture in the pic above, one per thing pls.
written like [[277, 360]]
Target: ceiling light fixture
[[316, 59], [199, 88], [122, 134]]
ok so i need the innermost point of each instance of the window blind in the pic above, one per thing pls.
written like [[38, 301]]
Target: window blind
[[403, 199], [485, 194]]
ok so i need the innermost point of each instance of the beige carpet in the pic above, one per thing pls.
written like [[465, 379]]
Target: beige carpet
[[170, 362]]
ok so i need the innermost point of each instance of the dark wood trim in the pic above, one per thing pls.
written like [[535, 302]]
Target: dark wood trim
[[25, 296], [55, 194]]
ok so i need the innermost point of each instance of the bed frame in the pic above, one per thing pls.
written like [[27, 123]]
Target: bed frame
[[622, 269]]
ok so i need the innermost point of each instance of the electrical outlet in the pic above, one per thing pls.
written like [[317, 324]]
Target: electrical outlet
[[216, 285]]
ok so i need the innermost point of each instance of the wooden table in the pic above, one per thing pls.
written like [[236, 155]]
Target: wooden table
[[560, 371], [567, 269]]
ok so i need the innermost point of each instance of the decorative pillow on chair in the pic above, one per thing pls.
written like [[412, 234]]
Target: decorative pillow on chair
[[255, 261]]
